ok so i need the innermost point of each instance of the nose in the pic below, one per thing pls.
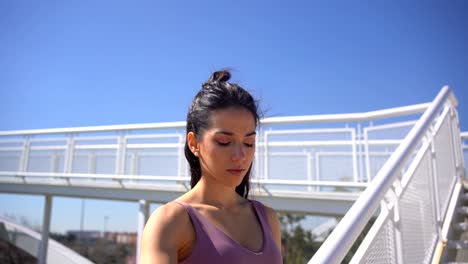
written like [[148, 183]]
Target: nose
[[238, 153]]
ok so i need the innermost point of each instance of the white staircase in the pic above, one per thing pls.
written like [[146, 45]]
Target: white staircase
[[456, 245], [29, 241], [414, 195]]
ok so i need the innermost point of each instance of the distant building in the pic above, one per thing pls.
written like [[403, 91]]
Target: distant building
[[91, 236], [126, 238], [86, 236]]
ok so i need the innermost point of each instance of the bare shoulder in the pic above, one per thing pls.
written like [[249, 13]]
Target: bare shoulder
[[170, 214], [272, 217], [270, 212], [165, 234]]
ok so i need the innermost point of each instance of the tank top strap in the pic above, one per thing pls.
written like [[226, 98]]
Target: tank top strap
[[260, 209]]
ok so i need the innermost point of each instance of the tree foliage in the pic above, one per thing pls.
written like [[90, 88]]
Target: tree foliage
[[298, 244]]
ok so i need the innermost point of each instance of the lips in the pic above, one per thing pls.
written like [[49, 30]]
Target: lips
[[236, 171]]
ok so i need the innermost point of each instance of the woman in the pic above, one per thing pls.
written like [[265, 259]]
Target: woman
[[215, 222]]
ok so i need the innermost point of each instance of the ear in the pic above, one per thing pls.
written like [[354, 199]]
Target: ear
[[192, 142]]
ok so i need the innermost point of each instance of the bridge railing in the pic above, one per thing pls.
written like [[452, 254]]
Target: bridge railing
[[412, 191], [339, 152], [29, 241]]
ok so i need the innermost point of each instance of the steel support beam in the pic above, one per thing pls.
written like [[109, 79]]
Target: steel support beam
[[318, 203], [43, 246], [143, 214]]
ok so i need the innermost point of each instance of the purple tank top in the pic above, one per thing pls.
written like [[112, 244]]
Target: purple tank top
[[213, 246]]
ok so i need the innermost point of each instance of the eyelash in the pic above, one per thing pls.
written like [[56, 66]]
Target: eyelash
[[227, 144]]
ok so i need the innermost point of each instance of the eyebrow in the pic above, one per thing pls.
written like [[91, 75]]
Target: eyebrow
[[232, 134]]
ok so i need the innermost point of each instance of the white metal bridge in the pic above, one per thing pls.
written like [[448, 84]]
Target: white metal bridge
[[409, 160]]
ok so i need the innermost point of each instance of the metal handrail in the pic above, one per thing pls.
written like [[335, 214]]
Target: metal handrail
[[75, 130], [58, 175], [349, 117], [335, 248], [464, 135]]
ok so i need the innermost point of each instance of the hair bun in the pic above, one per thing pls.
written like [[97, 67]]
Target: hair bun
[[220, 76]]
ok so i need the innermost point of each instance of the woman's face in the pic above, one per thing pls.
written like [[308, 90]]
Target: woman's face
[[227, 148]]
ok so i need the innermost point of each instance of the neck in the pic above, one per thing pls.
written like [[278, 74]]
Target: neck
[[216, 194]]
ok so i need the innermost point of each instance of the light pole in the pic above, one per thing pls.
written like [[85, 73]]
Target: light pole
[[106, 218]]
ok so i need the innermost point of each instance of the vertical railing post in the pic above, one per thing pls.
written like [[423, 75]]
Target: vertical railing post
[[265, 155], [134, 163], [457, 141], [434, 190], [433, 169], [309, 169], [367, 156], [92, 163], [455, 134], [317, 169], [452, 138], [361, 161], [69, 152], [23, 164], [120, 156], [357, 178], [396, 191], [54, 163], [143, 215], [43, 246], [257, 162], [181, 157], [181, 162]]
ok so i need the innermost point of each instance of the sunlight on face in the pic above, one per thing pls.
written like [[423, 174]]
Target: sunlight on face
[[228, 146]]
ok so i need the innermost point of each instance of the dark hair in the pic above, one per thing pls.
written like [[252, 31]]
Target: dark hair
[[216, 94]]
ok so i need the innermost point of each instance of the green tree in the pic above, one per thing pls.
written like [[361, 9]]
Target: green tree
[[298, 244]]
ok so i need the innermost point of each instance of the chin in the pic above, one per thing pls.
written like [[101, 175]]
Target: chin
[[235, 182]]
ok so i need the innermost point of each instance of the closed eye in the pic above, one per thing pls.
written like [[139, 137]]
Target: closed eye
[[248, 145], [223, 143]]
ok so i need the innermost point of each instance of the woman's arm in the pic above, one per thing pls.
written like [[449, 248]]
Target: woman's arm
[[164, 234], [275, 224]]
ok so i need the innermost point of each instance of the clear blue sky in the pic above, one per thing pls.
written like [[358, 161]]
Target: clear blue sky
[[87, 63]]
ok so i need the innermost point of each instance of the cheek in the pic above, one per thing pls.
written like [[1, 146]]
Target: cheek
[[214, 152], [251, 153]]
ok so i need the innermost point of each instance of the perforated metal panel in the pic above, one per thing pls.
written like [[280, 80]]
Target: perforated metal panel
[[382, 249], [418, 221], [445, 163]]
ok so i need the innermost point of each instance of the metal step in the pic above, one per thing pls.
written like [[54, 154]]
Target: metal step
[[462, 210], [462, 226], [457, 244], [464, 196]]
